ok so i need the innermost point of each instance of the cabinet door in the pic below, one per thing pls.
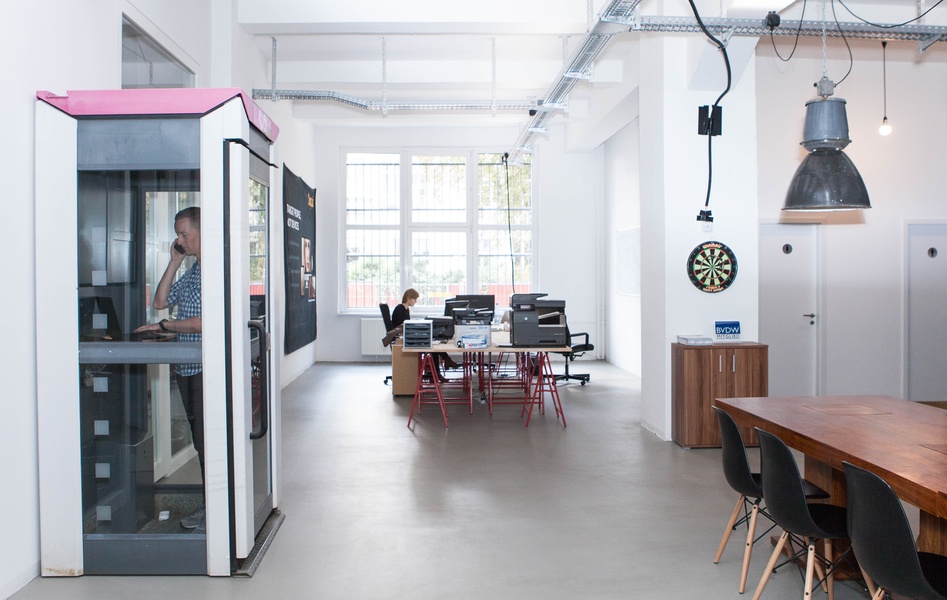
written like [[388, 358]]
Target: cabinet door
[[693, 421], [749, 372], [749, 378]]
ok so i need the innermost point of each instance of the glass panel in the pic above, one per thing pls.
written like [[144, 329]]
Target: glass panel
[[160, 208], [500, 274], [373, 189], [134, 432], [438, 189], [258, 249], [438, 265], [146, 64], [372, 267], [500, 204], [259, 195]]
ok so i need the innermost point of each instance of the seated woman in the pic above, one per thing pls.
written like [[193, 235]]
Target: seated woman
[[402, 313]]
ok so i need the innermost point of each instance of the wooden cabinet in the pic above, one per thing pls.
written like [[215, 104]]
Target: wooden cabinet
[[404, 370], [701, 373]]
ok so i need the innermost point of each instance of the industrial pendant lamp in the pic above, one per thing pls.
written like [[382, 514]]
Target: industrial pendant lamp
[[827, 179], [885, 129]]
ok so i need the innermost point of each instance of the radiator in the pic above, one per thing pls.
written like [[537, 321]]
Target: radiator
[[373, 331]]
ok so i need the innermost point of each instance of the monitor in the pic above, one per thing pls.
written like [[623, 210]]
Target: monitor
[[453, 303], [479, 301]]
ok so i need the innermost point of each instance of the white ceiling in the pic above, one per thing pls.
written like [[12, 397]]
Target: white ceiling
[[433, 50]]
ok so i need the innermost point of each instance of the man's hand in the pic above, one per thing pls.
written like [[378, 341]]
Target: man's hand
[[149, 327]]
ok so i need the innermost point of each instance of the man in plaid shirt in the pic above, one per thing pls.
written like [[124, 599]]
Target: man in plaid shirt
[[185, 295]]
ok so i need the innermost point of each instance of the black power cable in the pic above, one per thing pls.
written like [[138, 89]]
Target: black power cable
[[795, 44], [509, 221], [714, 113], [895, 25]]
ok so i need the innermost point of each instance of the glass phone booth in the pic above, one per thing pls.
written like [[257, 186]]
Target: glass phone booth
[[118, 469]]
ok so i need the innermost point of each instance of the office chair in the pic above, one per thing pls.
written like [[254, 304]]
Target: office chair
[[787, 506], [736, 469], [386, 319], [576, 350], [883, 541]]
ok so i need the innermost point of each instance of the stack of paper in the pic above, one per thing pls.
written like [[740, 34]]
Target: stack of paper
[[694, 340]]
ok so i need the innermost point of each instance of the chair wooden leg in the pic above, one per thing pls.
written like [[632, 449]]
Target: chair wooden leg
[[820, 573], [750, 534], [868, 583], [729, 529], [830, 580], [810, 567], [772, 563]]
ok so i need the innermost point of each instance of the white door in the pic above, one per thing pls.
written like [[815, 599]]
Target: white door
[[927, 317], [789, 319]]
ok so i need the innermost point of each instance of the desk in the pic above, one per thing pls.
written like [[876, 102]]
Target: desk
[[903, 442], [404, 370], [533, 379]]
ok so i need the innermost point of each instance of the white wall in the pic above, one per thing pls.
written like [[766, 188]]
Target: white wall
[[674, 185], [863, 252], [623, 224], [87, 31]]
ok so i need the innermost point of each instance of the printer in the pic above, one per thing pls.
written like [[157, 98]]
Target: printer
[[535, 321], [472, 327]]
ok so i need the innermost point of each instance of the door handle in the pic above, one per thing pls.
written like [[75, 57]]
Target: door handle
[[810, 315], [264, 381]]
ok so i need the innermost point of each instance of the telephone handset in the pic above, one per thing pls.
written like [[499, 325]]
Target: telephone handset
[[179, 248]]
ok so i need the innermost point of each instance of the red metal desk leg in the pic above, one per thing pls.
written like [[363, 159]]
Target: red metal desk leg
[[426, 367]]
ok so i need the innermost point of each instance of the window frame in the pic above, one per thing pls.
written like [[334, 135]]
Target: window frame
[[406, 228], [135, 19]]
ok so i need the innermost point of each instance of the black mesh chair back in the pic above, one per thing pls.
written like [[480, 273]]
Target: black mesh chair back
[[385, 315], [883, 541], [386, 319], [736, 467]]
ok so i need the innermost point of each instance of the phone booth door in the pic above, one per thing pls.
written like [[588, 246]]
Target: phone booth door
[[127, 487]]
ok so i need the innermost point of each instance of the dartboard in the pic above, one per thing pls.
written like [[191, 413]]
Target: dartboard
[[712, 267]]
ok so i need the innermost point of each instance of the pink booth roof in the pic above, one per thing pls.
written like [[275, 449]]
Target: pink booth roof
[[158, 101]]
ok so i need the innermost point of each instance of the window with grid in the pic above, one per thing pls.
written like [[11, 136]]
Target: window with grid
[[505, 227], [444, 224]]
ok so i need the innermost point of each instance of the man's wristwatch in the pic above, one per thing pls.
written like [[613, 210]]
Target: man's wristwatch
[[161, 324]]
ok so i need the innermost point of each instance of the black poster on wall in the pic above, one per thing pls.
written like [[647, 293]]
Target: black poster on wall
[[299, 238]]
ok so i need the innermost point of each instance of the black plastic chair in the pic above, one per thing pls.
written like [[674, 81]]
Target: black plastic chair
[[883, 541], [736, 469], [786, 504], [576, 350]]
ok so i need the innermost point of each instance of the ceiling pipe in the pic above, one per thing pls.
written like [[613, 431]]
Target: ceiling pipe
[[611, 21], [621, 16], [385, 106], [374, 105]]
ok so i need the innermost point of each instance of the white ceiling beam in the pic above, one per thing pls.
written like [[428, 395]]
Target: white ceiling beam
[[418, 16], [433, 72]]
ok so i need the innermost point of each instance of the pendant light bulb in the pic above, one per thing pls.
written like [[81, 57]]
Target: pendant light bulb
[[885, 129]]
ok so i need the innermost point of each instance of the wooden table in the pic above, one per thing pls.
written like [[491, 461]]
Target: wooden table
[[903, 442]]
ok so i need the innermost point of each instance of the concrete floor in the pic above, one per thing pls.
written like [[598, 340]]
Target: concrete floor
[[483, 509]]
